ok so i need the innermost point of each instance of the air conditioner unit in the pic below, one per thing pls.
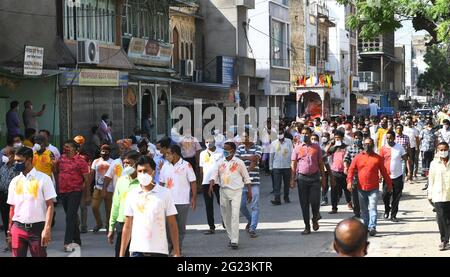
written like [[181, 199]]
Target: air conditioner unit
[[187, 68], [198, 76], [88, 52]]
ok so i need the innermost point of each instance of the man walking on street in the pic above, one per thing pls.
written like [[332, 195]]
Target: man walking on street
[[178, 176], [279, 165], [305, 166], [31, 196], [350, 154], [427, 147], [231, 174], [393, 154], [404, 141], [208, 160], [250, 153], [50, 147], [411, 131], [73, 176], [104, 130], [439, 192], [368, 165], [444, 133], [29, 116], [125, 183], [149, 208]]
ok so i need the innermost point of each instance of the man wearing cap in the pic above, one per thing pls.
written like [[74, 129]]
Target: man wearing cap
[[99, 168]]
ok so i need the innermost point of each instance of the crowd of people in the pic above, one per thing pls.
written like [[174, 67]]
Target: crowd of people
[[147, 189]]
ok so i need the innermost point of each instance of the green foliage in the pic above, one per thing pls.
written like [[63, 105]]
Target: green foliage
[[437, 75], [374, 17]]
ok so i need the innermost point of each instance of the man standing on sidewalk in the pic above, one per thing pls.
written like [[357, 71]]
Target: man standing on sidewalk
[[178, 176], [305, 167], [30, 195], [250, 153], [439, 192], [393, 154], [208, 160], [231, 174], [350, 154], [368, 165], [279, 165]]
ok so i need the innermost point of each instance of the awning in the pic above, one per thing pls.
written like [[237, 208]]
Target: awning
[[154, 69], [152, 79], [15, 72], [214, 86]]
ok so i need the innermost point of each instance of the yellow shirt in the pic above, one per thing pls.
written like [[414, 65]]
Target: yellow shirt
[[439, 181], [44, 162], [441, 117], [380, 134]]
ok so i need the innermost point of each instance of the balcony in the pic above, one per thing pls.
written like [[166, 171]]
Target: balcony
[[249, 4]]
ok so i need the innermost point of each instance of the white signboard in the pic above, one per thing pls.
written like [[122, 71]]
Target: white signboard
[[279, 89], [33, 61]]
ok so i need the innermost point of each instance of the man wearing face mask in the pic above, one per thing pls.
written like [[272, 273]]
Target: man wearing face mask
[[350, 154], [30, 195], [307, 163], [125, 183], [279, 165], [208, 159], [147, 208], [368, 165], [162, 147], [439, 192], [116, 167], [7, 173], [43, 159], [427, 147], [411, 131], [393, 154], [73, 179], [99, 168], [231, 174], [381, 133], [326, 161], [29, 116], [178, 176], [336, 150], [444, 133], [404, 141]]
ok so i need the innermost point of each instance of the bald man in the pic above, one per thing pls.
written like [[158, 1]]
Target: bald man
[[350, 238]]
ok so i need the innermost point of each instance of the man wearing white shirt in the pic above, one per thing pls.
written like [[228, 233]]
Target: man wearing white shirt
[[208, 160], [373, 108], [414, 141], [178, 176], [231, 174], [30, 195], [393, 154], [50, 147], [444, 133], [149, 208], [280, 165]]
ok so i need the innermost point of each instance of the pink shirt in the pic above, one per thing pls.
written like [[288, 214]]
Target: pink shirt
[[307, 157], [337, 160]]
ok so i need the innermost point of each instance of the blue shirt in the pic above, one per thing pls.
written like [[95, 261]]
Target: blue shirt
[[157, 159], [12, 122]]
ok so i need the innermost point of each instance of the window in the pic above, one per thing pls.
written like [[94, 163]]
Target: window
[[95, 19], [145, 19], [182, 51], [312, 56], [325, 50], [280, 44]]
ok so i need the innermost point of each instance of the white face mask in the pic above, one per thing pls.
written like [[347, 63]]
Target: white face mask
[[128, 170], [338, 143], [5, 159], [17, 145], [446, 127], [37, 147], [145, 179], [443, 154], [324, 140], [281, 136]]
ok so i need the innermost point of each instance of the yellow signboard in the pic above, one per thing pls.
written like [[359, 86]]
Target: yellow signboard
[[103, 78]]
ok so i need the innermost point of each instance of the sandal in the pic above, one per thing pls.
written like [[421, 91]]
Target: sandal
[[97, 228]]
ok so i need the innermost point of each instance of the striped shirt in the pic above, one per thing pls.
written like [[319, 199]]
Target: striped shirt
[[243, 152]]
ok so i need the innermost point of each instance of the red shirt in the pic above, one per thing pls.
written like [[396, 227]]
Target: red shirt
[[368, 167], [71, 173], [307, 157]]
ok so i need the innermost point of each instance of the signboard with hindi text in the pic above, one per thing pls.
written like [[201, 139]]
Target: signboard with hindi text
[[102, 78], [33, 61], [150, 52]]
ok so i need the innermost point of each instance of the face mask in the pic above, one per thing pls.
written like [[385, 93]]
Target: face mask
[[304, 138], [19, 167], [367, 123], [338, 143], [446, 127], [210, 145], [37, 147], [391, 143], [17, 145], [105, 156], [368, 148], [5, 159], [324, 140], [145, 179], [314, 142], [226, 153], [216, 132], [281, 136], [128, 170], [443, 154]]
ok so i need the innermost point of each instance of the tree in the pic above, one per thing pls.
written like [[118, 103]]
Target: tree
[[437, 75], [374, 17]]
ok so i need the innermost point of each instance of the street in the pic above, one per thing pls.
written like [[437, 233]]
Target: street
[[416, 233]]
